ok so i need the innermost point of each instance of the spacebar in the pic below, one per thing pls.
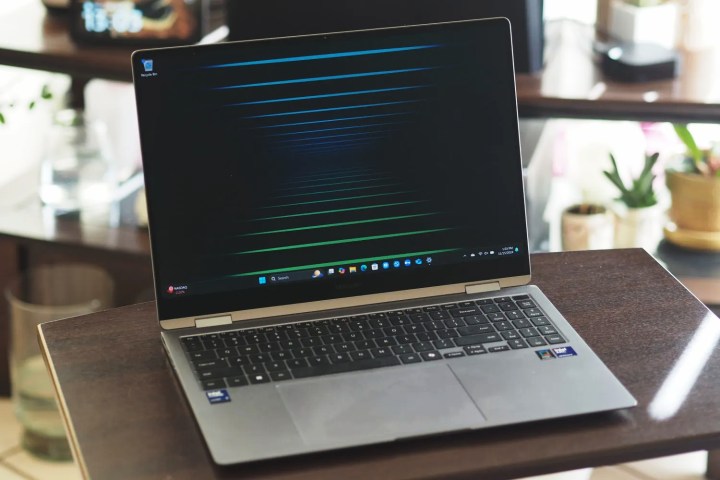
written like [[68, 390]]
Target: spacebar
[[345, 367]]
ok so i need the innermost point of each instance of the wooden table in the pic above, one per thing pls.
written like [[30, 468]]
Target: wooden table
[[129, 419]]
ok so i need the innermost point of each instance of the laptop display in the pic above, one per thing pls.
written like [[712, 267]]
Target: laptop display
[[331, 166]]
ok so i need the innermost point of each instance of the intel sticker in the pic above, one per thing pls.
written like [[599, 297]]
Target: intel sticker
[[544, 354], [562, 352], [218, 396]]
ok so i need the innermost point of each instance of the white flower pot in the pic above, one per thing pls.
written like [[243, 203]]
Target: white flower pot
[[639, 227]]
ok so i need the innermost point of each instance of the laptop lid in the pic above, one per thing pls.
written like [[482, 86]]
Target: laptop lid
[[302, 173]]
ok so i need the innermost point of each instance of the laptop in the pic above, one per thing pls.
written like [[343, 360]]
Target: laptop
[[339, 241]]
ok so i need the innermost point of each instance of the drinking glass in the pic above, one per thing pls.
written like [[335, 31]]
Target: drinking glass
[[43, 294]]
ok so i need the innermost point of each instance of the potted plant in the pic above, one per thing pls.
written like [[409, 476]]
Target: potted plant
[[639, 221], [695, 192], [587, 227]]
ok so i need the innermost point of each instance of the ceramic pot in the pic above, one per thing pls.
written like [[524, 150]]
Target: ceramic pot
[[639, 227], [695, 201], [587, 227]]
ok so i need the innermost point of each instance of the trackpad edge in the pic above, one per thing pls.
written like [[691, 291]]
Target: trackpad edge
[[379, 405]]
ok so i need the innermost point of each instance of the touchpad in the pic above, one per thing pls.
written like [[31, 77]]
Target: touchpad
[[379, 405]]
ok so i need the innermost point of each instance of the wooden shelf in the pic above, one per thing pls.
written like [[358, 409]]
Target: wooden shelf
[[32, 38], [571, 85]]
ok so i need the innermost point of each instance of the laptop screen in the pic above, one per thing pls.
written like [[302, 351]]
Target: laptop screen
[[309, 168]]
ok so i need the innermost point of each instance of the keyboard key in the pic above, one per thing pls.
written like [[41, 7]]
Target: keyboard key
[[426, 336], [381, 352], [475, 329], [404, 339], [239, 361], [344, 347], [315, 361], [504, 325], [451, 333], [259, 378], [203, 355], [540, 321], [521, 297], [434, 325], [282, 355], [522, 323], [514, 315], [399, 321], [526, 304], [393, 331], [490, 308], [361, 355], [510, 335], [484, 301], [217, 373], [466, 304], [209, 364], [532, 312], [269, 347], [253, 369], [475, 350], [502, 299], [517, 344], [536, 341], [410, 358], [324, 350], [402, 349], [496, 317], [443, 344], [280, 375], [454, 354], [274, 366], [213, 384], [365, 345], [501, 348], [423, 347], [554, 339], [439, 315], [462, 312], [454, 322], [508, 306], [259, 358], [478, 339], [311, 342], [386, 342], [339, 358], [546, 330], [379, 323], [346, 367], [430, 356], [239, 381], [475, 319], [529, 332]]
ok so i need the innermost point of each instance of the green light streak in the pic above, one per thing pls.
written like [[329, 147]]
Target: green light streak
[[339, 190], [342, 262], [351, 209], [347, 182], [342, 241], [340, 224], [341, 199]]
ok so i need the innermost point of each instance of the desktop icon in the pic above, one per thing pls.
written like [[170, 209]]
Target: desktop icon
[[170, 289], [317, 274], [374, 266], [428, 260], [262, 280], [147, 64], [341, 270], [418, 261], [353, 269], [331, 271], [386, 265], [396, 263], [407, 262], [363, 268]]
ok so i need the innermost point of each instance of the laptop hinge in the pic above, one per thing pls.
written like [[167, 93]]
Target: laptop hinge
[[482, 287], [213, 321]]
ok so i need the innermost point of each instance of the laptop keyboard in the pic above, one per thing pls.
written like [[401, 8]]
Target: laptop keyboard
[[397, 337]]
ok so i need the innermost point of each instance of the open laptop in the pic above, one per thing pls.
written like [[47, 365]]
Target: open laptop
[[339, 241]]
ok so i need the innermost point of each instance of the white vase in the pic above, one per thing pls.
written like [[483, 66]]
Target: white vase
[[639, 227]]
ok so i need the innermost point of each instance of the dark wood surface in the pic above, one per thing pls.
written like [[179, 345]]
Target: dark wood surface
[[571, 85], [130, 419]]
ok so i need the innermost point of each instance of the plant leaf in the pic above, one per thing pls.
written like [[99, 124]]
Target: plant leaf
[[46, 94], [683, 132], [2, 118]]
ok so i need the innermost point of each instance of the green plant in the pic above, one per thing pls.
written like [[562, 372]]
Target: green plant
[[705, 162], [45, 94], [640, 193]]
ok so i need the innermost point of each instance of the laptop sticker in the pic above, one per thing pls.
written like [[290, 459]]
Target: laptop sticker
[[218, 396], [562, 352], [544, 354]]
